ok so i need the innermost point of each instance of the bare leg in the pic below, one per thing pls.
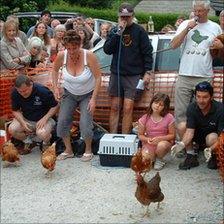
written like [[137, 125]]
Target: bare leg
[[162, 149], [114, 114], [127, 116], [181, 128], [68, 146], [88, 142]]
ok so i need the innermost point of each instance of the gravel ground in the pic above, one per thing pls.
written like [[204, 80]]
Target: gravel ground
[[79, 192]]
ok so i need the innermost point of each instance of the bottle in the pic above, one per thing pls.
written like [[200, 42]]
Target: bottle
[[150, 25]]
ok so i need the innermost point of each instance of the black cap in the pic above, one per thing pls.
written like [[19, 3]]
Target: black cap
[[126, 9]]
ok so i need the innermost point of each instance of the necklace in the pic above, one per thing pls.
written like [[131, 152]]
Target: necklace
[[75, 59]]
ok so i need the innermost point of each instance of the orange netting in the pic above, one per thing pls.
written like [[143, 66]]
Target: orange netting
[[7, 79], [220, 154]]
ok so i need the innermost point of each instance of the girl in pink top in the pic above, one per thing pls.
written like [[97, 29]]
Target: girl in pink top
[[156, 130]]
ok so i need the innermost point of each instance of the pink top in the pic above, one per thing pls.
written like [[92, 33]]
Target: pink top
[[156, 128]]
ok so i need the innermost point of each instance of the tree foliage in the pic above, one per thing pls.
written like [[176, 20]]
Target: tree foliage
[[99, 4], [11, 6]]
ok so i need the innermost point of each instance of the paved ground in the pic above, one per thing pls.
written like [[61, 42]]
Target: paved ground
[[81, 192]]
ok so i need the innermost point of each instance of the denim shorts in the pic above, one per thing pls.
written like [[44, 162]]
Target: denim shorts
[[68, 106]]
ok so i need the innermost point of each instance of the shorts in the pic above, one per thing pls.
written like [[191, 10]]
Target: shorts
[[184, 93], [125, 87]]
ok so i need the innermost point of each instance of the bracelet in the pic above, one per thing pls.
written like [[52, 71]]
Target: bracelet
[[148, 72]]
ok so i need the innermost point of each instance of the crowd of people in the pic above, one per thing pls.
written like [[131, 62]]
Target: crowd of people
[[48, 35], [76, 79]]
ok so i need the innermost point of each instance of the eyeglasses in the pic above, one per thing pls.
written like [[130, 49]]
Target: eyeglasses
[[203, 86]]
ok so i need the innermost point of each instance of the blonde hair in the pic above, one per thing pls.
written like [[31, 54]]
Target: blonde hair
[[8, 23]]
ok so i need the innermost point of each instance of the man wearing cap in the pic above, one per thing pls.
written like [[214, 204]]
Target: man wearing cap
[[132, 59], [205, 121], [46, 19], [197, 36]]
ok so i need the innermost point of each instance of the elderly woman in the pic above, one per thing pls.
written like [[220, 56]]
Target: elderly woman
[[81, 82], [57, 41], [40, 30], [35, 47], [14, 55]]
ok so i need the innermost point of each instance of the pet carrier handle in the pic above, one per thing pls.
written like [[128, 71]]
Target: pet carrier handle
[[118, 136]]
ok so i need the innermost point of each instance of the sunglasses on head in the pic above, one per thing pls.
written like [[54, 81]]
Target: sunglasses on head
[[203, 86]]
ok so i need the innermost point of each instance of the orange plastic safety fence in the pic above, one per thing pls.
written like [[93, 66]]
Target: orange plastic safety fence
[[7, 79], [220, 155]]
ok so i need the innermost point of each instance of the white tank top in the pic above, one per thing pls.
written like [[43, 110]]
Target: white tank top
[[81, 84]]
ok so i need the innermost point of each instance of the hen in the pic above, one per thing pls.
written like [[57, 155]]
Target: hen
[[218, 53], [141, 163], [48, 158], [219, 150], [10, 154], [147, 193]]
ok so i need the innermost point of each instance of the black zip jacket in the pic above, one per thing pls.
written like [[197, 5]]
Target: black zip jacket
[[136, 50]]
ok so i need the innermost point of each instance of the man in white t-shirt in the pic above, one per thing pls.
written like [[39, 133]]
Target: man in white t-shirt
[[197, 37]]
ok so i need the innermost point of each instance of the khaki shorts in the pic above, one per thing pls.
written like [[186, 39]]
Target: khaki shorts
[[184, 94]]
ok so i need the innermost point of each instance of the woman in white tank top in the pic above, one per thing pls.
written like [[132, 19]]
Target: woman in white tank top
[[81, 79]]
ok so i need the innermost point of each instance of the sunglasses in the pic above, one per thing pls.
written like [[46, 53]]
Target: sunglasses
[[204, 86]]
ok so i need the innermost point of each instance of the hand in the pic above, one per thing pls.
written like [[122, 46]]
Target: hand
[[58, 92], [154, 140], [91, 106], [177, 148], [27, 128], [217, 44], [207, 153], [146, 78], [41, 123], [17, 60], [191, 24]]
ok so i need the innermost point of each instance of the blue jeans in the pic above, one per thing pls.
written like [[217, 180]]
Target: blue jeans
[[68, 105]]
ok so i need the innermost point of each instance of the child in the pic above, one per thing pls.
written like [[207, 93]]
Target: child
[[156, 130]]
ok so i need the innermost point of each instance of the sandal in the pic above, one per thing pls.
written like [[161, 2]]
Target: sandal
[[86, 157], [64, 155]]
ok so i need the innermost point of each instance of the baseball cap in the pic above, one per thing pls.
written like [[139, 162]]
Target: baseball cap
[[126, 10]]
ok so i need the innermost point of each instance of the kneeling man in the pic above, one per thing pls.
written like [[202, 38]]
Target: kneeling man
[[33, 107], [205, 121]]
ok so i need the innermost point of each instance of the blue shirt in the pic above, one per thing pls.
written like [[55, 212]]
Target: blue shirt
[[36, 105]]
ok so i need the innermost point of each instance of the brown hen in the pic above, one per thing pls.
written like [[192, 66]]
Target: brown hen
[[219, 151], [141, 163], [147, 193], [10, 154], [48, 158], [218, 53]]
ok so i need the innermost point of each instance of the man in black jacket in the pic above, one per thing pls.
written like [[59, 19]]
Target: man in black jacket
[[132, 59]]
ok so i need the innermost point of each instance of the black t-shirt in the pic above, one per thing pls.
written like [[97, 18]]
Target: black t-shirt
[[211, 122], [36, 105]]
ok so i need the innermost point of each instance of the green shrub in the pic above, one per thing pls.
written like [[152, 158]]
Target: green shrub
[[160, 20]]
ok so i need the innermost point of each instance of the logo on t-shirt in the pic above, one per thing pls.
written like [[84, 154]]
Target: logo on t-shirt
[[127, 41], [197, 37], [37, 101]]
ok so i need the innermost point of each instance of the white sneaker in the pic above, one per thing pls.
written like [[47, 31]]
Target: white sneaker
[[159, 164]]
